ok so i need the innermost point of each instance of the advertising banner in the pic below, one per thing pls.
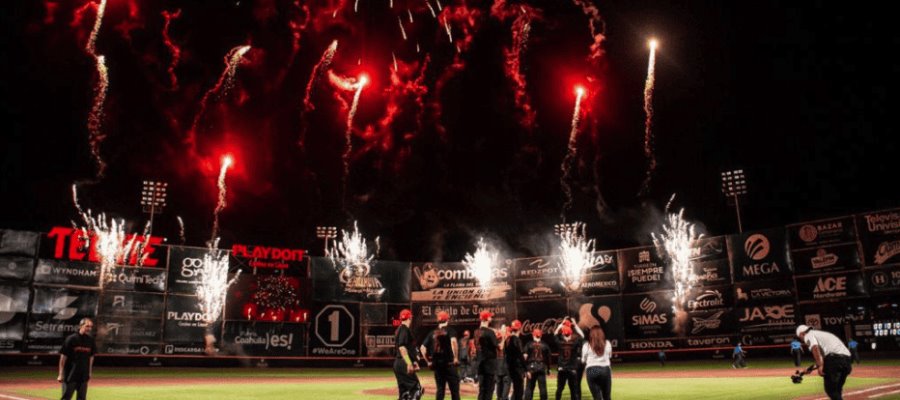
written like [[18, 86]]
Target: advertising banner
[[378, 341], [68, 244], [69, 273], [767, 323], [709, 259], [880, 236], [834, 317], [605, 311], [759, 255], [184, 322], [543, 315], [129, 330], [335, 330], [644, 270], [245, 338], [132, 304], [55, 314], [186, 264], [884, 280], [826, 259], [825, 232], [16, 268], [451, 282], [764, 291], [648, 315], [264, 258], [138, 279], [19, 243], [383, 281], [831, 287], [131, 349], [13, 310]]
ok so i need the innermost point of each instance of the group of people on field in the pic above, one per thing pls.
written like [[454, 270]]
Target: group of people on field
[[501, 361]]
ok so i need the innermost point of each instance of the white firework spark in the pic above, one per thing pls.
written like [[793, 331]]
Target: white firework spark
[[213, 285], [402, 31], [675, 243], [220, 205], [482, 264], [352, 251], [576, 255], [572, 150]]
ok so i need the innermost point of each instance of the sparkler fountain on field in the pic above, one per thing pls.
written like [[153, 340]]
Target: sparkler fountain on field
[[483, 266], [351, 259], [577, 255], [674, 242]]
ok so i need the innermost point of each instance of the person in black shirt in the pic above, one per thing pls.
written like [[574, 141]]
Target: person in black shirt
[[76, 361], [537, 363], [464, 357], [569, 346], [441, 350], [503, 382], [515, 359], [487, 346], [404, 366]]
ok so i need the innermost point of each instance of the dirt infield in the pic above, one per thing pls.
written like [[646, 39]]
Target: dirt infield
[[385, 385]]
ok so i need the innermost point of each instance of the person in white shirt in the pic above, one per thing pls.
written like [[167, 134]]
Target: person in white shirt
[[832, 358], [595, 355]]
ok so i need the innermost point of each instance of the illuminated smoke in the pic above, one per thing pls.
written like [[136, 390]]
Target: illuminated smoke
[[352, 252], [597, 27], [521, 29], [402, 31], [212, 287], [570, 156], [173, 48], [221, 88], [220, 205], [576, 256], [95, 118], [675, 243], [648, 121], [482, 264]]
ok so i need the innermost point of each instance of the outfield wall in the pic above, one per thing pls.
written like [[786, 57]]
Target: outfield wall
[[839, 274]]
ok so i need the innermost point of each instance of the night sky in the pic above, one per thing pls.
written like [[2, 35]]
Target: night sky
[[796, 94]]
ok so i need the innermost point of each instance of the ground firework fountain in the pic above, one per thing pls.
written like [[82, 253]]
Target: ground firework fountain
[[353, 262], [576, 256], [481, 264], [675, 243]]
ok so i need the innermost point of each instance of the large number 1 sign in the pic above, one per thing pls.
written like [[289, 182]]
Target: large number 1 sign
[[335, 325]]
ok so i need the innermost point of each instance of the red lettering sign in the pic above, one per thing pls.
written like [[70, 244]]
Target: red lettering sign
[[83, 247], [267, 257]]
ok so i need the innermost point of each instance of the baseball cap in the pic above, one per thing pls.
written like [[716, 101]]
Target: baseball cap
[[566, 331], [567, 323], [405, 314], [537, 332], [515, 325], [802, 329], [443, 316], [485, 315]]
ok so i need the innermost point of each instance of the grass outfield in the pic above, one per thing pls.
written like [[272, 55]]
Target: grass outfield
[[349, 383]]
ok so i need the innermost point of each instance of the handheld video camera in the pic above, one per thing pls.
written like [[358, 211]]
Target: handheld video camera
[[797, 377]]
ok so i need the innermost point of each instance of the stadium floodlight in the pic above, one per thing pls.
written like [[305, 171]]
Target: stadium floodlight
[[153, 198], [326, 232], [734, 185]]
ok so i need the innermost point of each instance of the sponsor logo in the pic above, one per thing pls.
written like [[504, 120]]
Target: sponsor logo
[[83, 247], [187, 316], [647, 305], [707, 299], [7, 313], [709, 249], [430, 275], [62, 305], [191, 267], [537, 267], [756, 247], [886, 251], [379, 342], [112, 328], [716, 341], [742, 295], [172, 349], [808, 233], [769, 315], [267, 253], [883, 222], [118, 301], [651, 345], [644, 256], [814, 320], [879, 279], [830, 287], [823, 259], [701, 324], [763, 293], [540, 288]]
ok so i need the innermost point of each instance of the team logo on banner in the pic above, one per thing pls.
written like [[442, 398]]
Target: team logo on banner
[[756, 247], [886, 251]]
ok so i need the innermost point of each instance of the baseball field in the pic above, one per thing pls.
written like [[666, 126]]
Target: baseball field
[[763, 379]]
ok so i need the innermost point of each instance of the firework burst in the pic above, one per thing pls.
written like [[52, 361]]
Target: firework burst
[[173, 48], [95, 118], [352, 252], [223, 85], [482, 263], [675, 243], [576, 255], [213, 285]]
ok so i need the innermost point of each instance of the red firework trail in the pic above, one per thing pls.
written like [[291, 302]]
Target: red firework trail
[[225, 82], [95, 118], [649, 86], [348, 136], [173, 48], [317, 72], [598, 28], [220, 205], [404, 95], [570, 156]]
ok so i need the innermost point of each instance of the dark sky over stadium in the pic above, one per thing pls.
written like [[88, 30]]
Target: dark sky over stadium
[[444, 150]]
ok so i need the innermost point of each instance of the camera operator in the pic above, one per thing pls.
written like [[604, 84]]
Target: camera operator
[[832, 357]]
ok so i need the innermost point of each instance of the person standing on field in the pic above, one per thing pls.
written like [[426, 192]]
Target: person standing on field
[[796, 352], [76, 361], [441, 350], [404, 365]]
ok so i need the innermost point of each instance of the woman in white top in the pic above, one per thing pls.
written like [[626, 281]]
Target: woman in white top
[[595, 355]]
